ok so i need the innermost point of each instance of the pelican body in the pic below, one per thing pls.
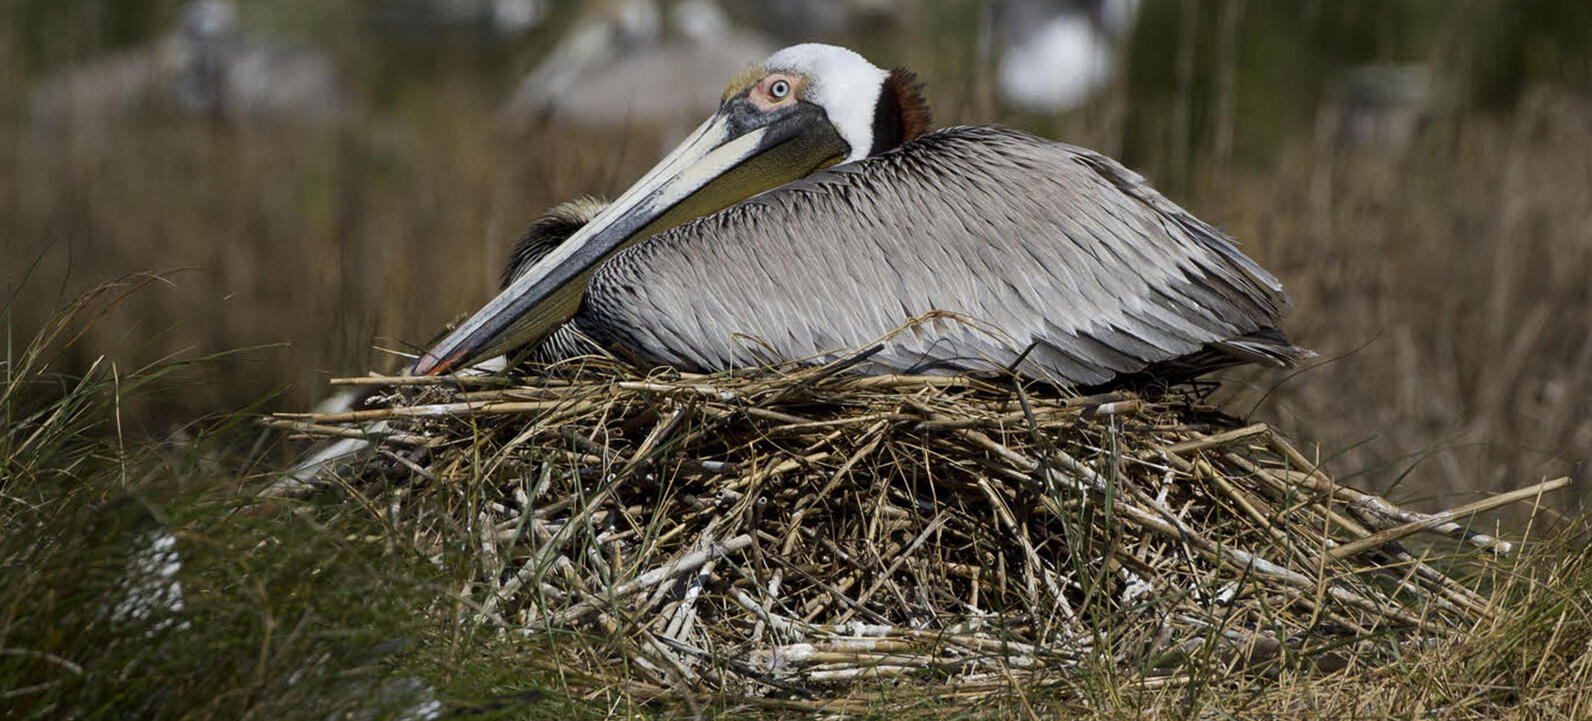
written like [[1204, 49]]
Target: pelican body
[[815, 214]]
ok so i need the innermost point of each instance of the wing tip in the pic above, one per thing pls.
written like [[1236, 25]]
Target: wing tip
[[1267, 347]]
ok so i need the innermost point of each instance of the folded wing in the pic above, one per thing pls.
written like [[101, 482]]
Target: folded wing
[[1009, 249]]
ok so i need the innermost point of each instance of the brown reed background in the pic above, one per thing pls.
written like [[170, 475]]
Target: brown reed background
[[1445, 283]]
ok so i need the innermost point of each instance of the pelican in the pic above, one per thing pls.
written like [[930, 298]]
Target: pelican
[[604, 72], [207, 64], [1059, 53], [816, 213]]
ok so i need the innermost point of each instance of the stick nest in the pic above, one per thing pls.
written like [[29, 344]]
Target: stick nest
[[791, 534]]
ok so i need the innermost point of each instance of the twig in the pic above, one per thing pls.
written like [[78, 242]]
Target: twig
[[688, 562], [1379, 538]]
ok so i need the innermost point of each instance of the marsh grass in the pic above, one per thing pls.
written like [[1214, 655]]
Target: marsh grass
[[1447, 287], [271, 611]]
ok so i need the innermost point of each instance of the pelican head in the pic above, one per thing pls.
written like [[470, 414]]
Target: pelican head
[[805, 108]]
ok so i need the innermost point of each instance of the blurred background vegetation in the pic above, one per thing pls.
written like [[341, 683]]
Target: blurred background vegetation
[[1418, 172]]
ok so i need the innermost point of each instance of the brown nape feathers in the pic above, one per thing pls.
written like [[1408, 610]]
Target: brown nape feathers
[[903, 113]]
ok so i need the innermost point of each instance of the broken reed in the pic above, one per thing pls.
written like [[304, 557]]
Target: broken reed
[[776, 534]]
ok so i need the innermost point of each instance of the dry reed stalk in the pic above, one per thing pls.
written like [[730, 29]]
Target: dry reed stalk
[[780, 534]]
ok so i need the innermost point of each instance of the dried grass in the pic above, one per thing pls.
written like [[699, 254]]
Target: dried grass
[[795, 534]]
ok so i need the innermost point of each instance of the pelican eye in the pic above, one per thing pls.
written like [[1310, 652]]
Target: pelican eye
[[779, 89]]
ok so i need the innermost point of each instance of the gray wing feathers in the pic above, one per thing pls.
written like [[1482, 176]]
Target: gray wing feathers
[[1046, 248]]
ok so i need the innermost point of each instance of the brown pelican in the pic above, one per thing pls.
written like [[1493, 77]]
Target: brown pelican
[[604, 72], [1058, 53], [207, 65], [814, 213], [501, 18]]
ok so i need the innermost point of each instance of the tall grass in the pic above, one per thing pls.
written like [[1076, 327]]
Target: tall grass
[[136, 581], [1448, 286]]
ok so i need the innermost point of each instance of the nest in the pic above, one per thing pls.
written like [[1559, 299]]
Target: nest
[[788, 534]]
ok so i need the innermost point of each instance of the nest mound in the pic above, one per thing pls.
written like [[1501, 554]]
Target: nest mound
[[787, 534]]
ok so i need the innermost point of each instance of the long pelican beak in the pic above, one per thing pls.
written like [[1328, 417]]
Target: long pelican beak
[[737, 153]]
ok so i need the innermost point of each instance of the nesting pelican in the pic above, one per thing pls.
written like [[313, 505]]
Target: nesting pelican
[[815, 212]]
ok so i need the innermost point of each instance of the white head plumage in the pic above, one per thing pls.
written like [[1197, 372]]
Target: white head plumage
[[843, 83]]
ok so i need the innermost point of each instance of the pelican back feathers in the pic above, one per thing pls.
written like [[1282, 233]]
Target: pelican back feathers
[[1012, 251]]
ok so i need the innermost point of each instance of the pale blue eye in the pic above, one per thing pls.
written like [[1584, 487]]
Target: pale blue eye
[[779, 89]]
